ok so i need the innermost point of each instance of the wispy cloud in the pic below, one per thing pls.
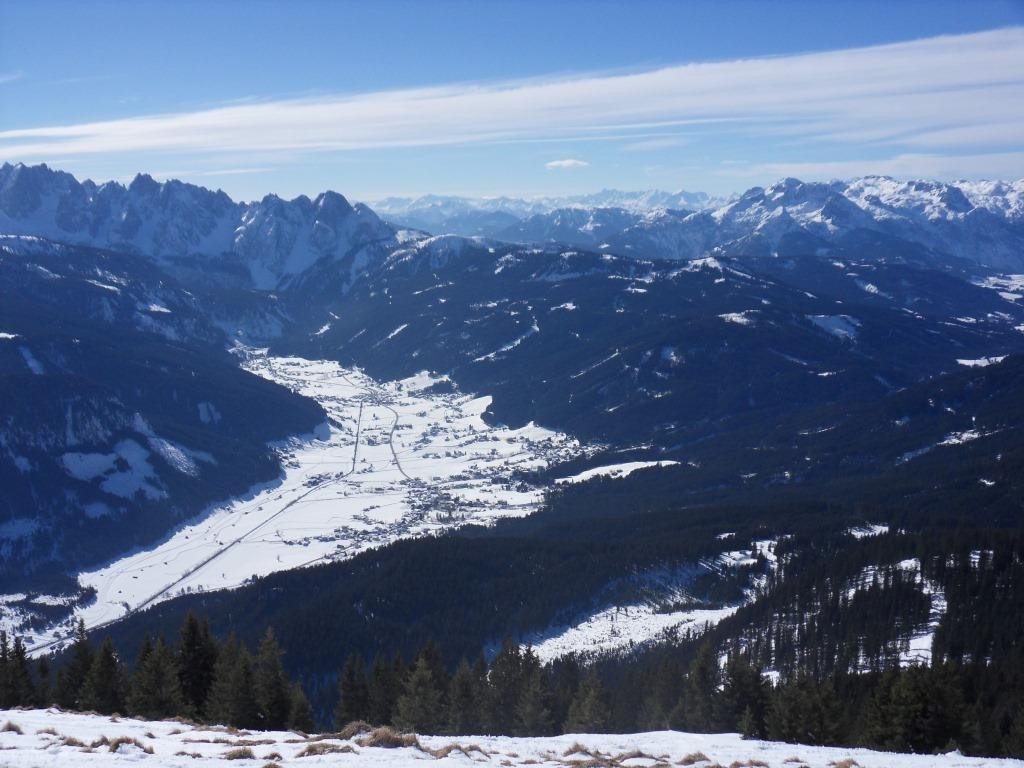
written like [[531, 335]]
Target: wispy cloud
[[570, 162], [960, 94], [657, 143], [8, 77], [924, 165]]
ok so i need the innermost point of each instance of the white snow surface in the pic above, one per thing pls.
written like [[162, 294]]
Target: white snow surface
[[628, 626], [393, 462], [613, 470], [206, 747], [841, 326], [982, 362]]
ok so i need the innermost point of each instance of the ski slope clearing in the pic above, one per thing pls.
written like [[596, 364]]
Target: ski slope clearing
[[396, 459], [668, 606], [614, 470], [626, 628], [54, 738]]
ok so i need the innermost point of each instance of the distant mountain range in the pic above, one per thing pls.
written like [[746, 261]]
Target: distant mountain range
[[978, 221], [803, 336], [452, 214]]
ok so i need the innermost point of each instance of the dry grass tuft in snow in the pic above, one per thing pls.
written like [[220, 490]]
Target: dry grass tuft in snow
[[324, 748], [693, 758], [389, 738]]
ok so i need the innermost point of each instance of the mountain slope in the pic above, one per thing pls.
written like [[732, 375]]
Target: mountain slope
[[124, 413], [191, 229]]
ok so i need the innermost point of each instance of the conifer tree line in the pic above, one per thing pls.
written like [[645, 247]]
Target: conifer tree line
[[977, 707], [197, 677]]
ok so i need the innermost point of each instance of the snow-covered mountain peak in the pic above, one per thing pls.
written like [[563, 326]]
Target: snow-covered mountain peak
[[273, 239]]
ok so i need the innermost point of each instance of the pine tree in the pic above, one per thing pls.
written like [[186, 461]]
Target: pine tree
[[876, 728], [383, 691], [218, 701], [22, 690], [432, 655], [353, 692], [300, 713], [72, 676], [533, 715], [270, 685], [465, 694], [588, 712], [6, 694], [744, 698], [1013, 744], [231, 700], [156, 692], [419, 707], [103, 688], [504, 685], [700, 698], [197, 655], [43, 682], [660, 692]]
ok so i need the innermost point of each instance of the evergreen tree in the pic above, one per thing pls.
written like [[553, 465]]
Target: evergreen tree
[[197, 655], [876, 725], [300, 713], [465, 695], [231, 700], [588, 712], [103, 687], [504, 686], [1013, 744], [564, 675], [6, 694], [925, 709], [71, 677], [803, 711], [383, 691], [270, 685], [744, 698], [16, 689], [353, 692], [43, 682], [700, 703], [155, 690], [23, 692], [419, 707], [431, 654], [660, 689], [533, 715]]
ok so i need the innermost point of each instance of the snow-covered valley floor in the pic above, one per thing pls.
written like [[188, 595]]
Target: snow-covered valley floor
[[396, 459], [53, 738]]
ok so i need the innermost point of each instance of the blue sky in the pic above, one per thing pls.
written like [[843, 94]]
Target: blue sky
[[524, 98]]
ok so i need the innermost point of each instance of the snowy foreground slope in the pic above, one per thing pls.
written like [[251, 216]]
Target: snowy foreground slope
[[52, 738], [396, 459]]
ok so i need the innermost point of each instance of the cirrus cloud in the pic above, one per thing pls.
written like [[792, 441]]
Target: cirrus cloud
[[957, 94]]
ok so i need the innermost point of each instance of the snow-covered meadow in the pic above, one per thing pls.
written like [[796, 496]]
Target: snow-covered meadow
[[395, 459], [53, 738]]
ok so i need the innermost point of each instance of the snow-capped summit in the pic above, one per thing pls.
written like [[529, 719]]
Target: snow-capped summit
[[273, 239]]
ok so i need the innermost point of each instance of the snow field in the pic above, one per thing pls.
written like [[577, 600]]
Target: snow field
[[53, 738]]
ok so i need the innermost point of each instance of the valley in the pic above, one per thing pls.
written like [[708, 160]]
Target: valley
[[395, 459]]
